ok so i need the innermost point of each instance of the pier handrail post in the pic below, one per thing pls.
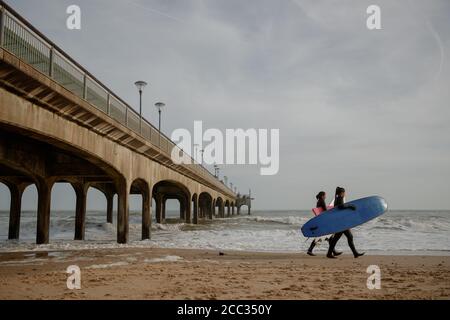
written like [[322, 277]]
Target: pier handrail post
[[50, 67], [108, 104], [85, 87], [2, 26]]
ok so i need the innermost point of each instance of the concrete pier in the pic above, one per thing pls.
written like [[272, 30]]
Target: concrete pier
[[51, 132], [16, 189]]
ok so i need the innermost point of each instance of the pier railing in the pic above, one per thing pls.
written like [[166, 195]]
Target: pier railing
[[20, 38]]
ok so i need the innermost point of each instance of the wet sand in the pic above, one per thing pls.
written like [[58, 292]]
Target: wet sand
[[201, 274]]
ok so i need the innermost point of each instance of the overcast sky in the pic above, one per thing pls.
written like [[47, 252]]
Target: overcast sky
[[367, 110]]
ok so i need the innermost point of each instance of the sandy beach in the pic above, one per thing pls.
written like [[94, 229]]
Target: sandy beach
[[201, 274]]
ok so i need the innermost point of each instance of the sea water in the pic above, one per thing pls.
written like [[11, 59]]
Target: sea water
[[396, 232]]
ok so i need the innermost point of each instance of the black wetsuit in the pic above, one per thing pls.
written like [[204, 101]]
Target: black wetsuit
[[339, 202]]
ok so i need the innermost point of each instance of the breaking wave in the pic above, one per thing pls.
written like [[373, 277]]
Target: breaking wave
[[277, 231]]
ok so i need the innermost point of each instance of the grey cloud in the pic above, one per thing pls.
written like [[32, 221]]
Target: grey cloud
[[364, 109]]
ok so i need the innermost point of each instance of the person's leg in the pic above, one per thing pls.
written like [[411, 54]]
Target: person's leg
[[351, 244], [311, 248], [333, 243], [336, 253]]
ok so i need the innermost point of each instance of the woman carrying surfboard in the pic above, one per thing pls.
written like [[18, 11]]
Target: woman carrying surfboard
[[339, 203], [321, 206]]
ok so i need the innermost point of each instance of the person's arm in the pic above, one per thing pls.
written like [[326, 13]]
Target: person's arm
[[346, 206]]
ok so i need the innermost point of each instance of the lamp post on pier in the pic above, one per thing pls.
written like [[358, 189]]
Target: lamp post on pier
[[216, 171], [159, 106], [196, 151], [140, 85]]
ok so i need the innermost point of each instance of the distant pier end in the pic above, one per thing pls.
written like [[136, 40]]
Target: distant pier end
[[244, 200]]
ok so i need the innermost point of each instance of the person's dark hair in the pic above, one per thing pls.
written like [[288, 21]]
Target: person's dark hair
[[339, 190], [320, 195]]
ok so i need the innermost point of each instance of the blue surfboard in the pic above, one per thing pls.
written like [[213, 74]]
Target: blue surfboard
[[337, 220]]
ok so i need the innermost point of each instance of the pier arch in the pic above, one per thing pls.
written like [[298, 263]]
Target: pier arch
[[170, 189], [195, 208], [206, 205], [228, 208], [220, 207], [141, 187], [16, 188], [29, 158]]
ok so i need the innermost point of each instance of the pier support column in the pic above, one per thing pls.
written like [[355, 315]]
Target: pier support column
[[232, 210], [80, 211], [238, 210], [122, 212], [187, 210], [44, 187], [195, 211], [210, 210], [182, 208], [146, 214], [16, 191], [163, 210], [109, 206], [204, 210], [158, 213], [228, 211]]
